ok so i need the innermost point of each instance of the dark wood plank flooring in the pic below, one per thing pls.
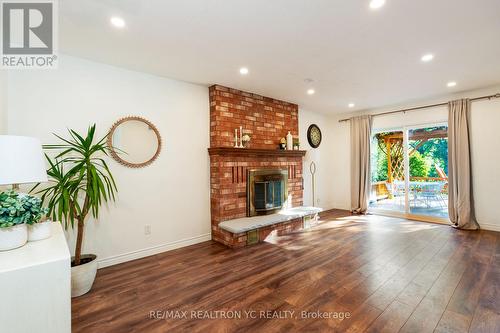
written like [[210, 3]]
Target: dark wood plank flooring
[[390, 275]]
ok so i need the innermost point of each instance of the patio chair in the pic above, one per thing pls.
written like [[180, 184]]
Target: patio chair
[[432, 193], [397, 191], [440, 172]]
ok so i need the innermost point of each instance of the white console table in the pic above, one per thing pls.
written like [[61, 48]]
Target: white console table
[[35, 286]]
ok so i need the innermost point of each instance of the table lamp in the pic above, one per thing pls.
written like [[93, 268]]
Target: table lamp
[[21, 160]]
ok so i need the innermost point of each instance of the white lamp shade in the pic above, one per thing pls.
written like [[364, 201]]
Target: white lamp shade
[[21, 160]]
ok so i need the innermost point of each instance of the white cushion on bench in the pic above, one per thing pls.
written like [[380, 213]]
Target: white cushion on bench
[[245, 224]]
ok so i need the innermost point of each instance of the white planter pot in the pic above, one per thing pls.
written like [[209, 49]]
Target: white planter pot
[[13, 237], [39, 231], [83, 276]]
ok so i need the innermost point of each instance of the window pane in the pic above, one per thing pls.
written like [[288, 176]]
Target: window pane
[[428, 157], [387, 171]]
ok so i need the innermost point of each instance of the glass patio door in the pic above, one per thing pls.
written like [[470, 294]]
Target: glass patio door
[[409, 168], [388, 190], [428, 171]]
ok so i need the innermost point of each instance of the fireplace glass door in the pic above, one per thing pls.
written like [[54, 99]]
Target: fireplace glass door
[[266, 190], [267, 195]]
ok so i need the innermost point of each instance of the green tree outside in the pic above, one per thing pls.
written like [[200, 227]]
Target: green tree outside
[[423, 161]]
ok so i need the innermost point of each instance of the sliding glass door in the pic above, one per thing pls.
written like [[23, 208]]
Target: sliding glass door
[[388, 191], [409, 168]]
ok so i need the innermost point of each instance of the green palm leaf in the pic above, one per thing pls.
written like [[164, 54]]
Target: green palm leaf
[[80, 180]]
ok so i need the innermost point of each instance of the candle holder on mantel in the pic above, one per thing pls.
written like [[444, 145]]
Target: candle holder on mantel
[[236, 138], [241, 138]]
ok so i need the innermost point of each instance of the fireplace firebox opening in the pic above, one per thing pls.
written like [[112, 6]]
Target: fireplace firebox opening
[[267, 191]]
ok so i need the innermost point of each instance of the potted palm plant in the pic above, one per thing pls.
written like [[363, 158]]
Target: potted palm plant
[[80, 182]]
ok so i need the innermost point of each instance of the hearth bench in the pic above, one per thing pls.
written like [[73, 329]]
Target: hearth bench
[[251, 230]]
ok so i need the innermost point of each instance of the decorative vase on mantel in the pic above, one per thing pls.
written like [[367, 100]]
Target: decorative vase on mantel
[[289, 141]]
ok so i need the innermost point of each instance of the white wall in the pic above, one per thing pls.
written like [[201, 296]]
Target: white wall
[[341, 168], [172, 194], [321, 156], [3, 101], [485, 136]]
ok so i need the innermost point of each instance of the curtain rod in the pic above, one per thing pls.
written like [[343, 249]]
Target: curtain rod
[[426, 106]]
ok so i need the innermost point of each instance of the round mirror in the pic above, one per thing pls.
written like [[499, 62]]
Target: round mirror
[[134, 142]]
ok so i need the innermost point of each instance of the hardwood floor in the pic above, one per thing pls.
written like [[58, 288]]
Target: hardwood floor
[[389, 274]]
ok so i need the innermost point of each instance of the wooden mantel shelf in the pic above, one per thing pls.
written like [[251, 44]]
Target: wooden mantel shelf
[[229, 151]]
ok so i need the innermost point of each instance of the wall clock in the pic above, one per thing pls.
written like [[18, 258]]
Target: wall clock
[[314, 136]]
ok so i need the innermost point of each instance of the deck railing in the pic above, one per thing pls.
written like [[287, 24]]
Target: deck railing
[[381, 190], [428, 179]]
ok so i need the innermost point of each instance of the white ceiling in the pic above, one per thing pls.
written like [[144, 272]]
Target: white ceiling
[[352, 53]]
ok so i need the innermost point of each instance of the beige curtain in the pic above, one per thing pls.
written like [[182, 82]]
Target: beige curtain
[[361, 128], [460, 202]]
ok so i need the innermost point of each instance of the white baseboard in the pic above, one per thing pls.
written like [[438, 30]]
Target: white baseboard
[[121, 258], [492, 227], [336, 205], [327, 206]]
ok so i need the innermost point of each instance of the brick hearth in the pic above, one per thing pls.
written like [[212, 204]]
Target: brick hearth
[[266, 120]]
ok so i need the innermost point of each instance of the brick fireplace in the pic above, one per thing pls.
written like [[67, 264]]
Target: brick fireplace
[[266, 120]]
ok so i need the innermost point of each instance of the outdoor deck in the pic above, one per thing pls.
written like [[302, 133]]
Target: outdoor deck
[[432, 208]]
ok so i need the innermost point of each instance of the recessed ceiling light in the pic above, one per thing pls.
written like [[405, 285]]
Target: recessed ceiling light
[[451, 84], [243, 71], [351, 105], [376, 4], [310, 91], [427, 57], [117, 22]]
